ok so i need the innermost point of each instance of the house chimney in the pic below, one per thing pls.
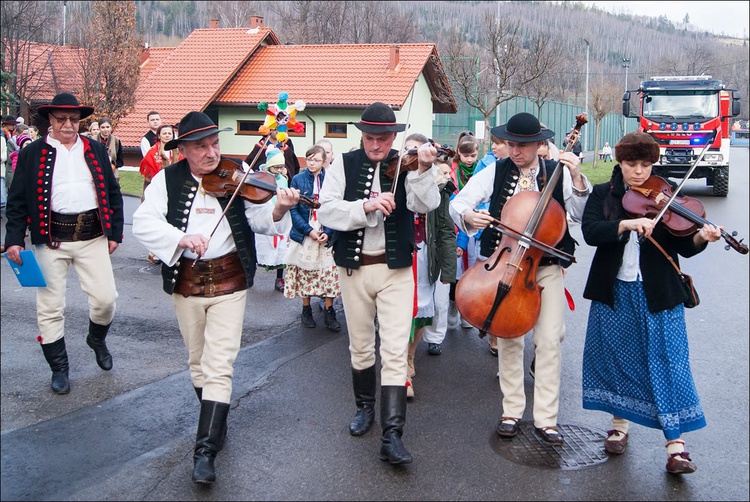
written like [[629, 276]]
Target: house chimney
[[256, 22], [214, 24], [393, 59], [145, 53]]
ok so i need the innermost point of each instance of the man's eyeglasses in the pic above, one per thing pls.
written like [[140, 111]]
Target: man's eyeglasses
[[62, 120]]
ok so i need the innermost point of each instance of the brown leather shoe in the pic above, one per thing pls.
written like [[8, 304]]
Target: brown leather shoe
[[550, 435], [508, 427], [616, 442], [680, 463]]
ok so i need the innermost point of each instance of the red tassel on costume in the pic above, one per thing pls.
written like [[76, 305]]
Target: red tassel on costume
[[569, 297]]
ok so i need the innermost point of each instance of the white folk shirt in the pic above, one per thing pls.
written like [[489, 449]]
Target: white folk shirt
[[151, 228], [73, 189], [479, 190], [422, 196]]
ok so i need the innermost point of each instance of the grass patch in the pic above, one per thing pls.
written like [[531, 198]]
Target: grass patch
[[599, 174], [131, 183]]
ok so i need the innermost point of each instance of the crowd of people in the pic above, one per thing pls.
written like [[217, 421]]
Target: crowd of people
[[395, 232]]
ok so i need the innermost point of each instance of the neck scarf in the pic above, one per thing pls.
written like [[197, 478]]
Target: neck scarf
[[464, 173]]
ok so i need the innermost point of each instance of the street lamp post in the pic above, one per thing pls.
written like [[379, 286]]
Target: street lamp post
[[586, 131], [626, 65]]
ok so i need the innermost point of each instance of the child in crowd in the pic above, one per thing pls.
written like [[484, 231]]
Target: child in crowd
[[311, 270], [271, 249], [435, 237]]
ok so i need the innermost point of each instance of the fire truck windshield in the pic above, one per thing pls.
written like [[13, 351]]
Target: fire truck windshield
[[676, 106]]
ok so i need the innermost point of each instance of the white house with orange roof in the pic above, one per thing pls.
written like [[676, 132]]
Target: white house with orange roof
[[227, 72]]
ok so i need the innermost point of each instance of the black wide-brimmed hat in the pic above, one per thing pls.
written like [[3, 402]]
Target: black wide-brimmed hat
[[523, 128], [194, 126], [378, 117], [65, 101], [9, 120]]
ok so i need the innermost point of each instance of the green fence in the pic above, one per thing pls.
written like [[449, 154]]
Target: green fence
[[560, 117]]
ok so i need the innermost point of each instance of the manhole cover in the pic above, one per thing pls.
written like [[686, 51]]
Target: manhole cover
[[150, 270], [583, 447]]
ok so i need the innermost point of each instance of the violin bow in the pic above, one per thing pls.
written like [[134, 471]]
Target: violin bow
[[231, 199], [664, 209], [403, 143]]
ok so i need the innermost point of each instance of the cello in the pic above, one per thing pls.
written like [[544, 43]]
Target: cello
[[501, 296]]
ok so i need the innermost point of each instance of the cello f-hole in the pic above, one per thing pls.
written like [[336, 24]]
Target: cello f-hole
[[489, 267]]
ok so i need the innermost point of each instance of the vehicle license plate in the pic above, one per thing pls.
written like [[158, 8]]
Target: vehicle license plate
[[679, 141]]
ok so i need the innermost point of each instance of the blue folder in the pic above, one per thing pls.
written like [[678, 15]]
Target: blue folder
[[29, 274]]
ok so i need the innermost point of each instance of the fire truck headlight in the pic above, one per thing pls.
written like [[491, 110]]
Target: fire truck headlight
[[714, 157]]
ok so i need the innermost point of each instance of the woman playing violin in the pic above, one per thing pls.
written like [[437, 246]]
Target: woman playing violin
[[636, 363]]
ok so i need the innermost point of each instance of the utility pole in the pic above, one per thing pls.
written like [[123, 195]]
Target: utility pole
[[586, 130], [626, 65], [65, 8]]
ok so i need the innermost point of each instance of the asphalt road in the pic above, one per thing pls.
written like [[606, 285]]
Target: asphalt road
[[128, 434]]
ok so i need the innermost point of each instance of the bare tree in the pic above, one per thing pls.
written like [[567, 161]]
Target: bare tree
[[696, 59], [605, 99], [113, 61], [22, 21], [232, 14], [511, 62]]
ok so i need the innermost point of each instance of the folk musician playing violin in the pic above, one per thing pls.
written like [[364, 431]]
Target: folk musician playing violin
[[524, 170], [374, 248], [207, 279], [635, 363]]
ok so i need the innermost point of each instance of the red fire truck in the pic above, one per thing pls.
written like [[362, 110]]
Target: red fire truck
[[682, 113]]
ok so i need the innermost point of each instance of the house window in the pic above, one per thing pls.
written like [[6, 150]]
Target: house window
[[249, 127], [336, 129], [252, 127]]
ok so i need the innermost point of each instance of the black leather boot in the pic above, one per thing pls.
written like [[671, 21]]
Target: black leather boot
[[95, 340], [212, 422], [307, 318], [364, 383], [199, 393], [393, 418], [57, 357], [330, 319]]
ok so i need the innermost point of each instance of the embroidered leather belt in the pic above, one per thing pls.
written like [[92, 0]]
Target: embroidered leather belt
[[76, 227], [372, 260], [548, 260], [209, 278]]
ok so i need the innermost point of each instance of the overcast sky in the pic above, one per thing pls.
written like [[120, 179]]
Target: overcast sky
[[730, 18]]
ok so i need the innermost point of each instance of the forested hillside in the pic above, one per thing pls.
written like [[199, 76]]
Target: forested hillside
[[650, 45]]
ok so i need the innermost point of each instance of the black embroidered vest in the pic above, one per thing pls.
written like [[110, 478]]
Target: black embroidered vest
[[181, 190], [399, 226], [506, 179]]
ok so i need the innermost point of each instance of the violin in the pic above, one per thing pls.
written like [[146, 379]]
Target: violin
[[410, 160], [257, 188], [502, 296], [683, 216]]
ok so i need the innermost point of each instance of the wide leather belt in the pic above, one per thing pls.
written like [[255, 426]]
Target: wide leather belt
[[372, 260], [76, 227], [209, 278]]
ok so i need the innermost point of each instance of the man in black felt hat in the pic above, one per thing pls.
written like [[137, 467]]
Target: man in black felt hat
[[66, 196], [207, 279], [374, 249], [523, 170]]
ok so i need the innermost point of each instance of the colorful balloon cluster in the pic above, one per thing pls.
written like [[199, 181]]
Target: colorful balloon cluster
[[281, 117]]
